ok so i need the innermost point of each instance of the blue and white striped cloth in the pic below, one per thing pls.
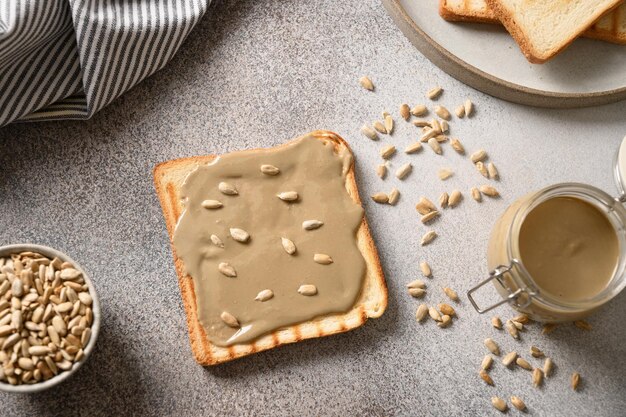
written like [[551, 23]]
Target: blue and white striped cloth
[[67, 59]]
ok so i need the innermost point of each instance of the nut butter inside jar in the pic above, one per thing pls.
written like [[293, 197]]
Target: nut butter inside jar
[[560, 253]]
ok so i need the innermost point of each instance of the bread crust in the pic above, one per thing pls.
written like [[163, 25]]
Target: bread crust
[[372, 301], [522, 40], [470, 16]]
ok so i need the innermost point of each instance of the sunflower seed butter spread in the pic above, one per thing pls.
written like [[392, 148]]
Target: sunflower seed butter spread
[[269, 238]]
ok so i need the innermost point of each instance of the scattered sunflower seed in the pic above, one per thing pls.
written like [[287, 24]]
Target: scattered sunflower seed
[[404, 170], [445, 126], [517, 324], [322, 258], [446, 309], [492, 346], [417, 292], [499, 404], [420, 123], [442, 112], [227, 188], [548, 366], [312, 224], [523, 363], [434, 314], [548, 328], [496, 322], [239, 235], [522, 318], [511, 329], [264, 295], [425, 205], [434, 93], [479, 155], [488, 190], [509, 358], [387, 151], [413, 148], [288, 245], [536, 352], [460, 111], [211, 204], [381, 171], [575, 380], [288, 195], [486, 363], [227, 269], [457, 146], [405, 111], [418, 283], [485, 377], [428, 238], [428, 134], [435, 146], [394, 195], [380, 198], [443, 200], [441, 138], [451, 294], [421, 312], [537, 377], [493, 171], [446, 320], [369, 132], [582, 324], [270, 170], [380, 127], [419, 110], [366, 83], [518, 403], [482, 169], [436, 126], [389, 124], [307, 289], [455, 198], [445, 173], [476, 195], [426, 270], [469, 107], [429, 216], [229, 319]]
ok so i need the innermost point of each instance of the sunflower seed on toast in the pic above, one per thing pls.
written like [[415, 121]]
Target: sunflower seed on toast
[[227, 269], [227, 188], [229, 319], [288, 245], [307, 289], [270, 170], [217, 241], [239, 235], [212, 204], [322, 258], [312, 224], [264, 295], [288, 196]]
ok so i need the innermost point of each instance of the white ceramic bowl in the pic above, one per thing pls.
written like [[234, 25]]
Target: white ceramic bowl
[[95, 326]]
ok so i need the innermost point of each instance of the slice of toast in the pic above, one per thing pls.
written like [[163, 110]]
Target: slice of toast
[[371, 303], [542, 28], [610, 28]]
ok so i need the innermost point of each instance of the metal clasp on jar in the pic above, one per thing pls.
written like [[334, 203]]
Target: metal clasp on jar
[[513, 296]]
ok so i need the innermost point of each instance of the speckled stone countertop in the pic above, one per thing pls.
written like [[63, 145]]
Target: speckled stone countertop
[[256, 74]]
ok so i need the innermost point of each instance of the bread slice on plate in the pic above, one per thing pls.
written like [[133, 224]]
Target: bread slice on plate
[[543, 28], [371, 302], [610, 28]]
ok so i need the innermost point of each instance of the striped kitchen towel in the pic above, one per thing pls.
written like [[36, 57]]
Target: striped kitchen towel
[[67, 59]]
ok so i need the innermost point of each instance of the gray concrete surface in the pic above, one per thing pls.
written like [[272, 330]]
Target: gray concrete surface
[[257, 74]]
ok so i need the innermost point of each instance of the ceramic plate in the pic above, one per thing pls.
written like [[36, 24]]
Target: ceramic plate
[[589, 72]]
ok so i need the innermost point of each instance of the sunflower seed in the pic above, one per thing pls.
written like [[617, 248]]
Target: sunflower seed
[[429, 217], [469, 107], [405, 111], [548, 328], [366, 83], [388, 151], [17, 288], [511, 329], [446, 320], [479, 155], [523, 363], [482, 169], [428, 238], [460, 111], [548, 366], [404, 170], [59, 325], [444, 173], [288, 245], [419, 110], [486, 363], [6, 330], [537, 377], [451, 294], [312, 224], [417, 292], [381, 171], [536, 352], [211, 204], [434, 93], [436, 126], [420, 123], [442, 112], [428, 134], [227, 269], [446, 309], [11, 340], [413, 148], [64, 307], [485, 377], [70, 274], [264, 295], [239, 235], [493, 171], [518, 403], [288, 195], [455, 198], [476, 195], [434, 314], [434, 145], [443, 200], [369, 132], [492, 346], [425, 205], [518, 325], [582, 324], [426, 270], [26, 364], [389, 124], [496, 322], [488, 190], [307, 289], [499, 404], [85, 337], [217, 241], [38, 350], [229, 319], [575, 380], [522, 318], [457, 146], [322, 258], [394, 195], [420, 313], [380, 127], [441, 138], [445, 126], [380, 198], [270, 170], [227, 188]]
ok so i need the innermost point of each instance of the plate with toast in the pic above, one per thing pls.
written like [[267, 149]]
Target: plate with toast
[[534, 52]]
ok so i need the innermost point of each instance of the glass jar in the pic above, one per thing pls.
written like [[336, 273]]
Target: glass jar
[[511, 278]]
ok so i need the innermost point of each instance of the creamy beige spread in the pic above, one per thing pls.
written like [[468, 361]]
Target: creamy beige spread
[[269, 238], [569, 248]]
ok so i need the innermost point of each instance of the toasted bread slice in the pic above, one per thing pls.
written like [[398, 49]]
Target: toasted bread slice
[[371, 303], [610, 28], [542, 28]]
